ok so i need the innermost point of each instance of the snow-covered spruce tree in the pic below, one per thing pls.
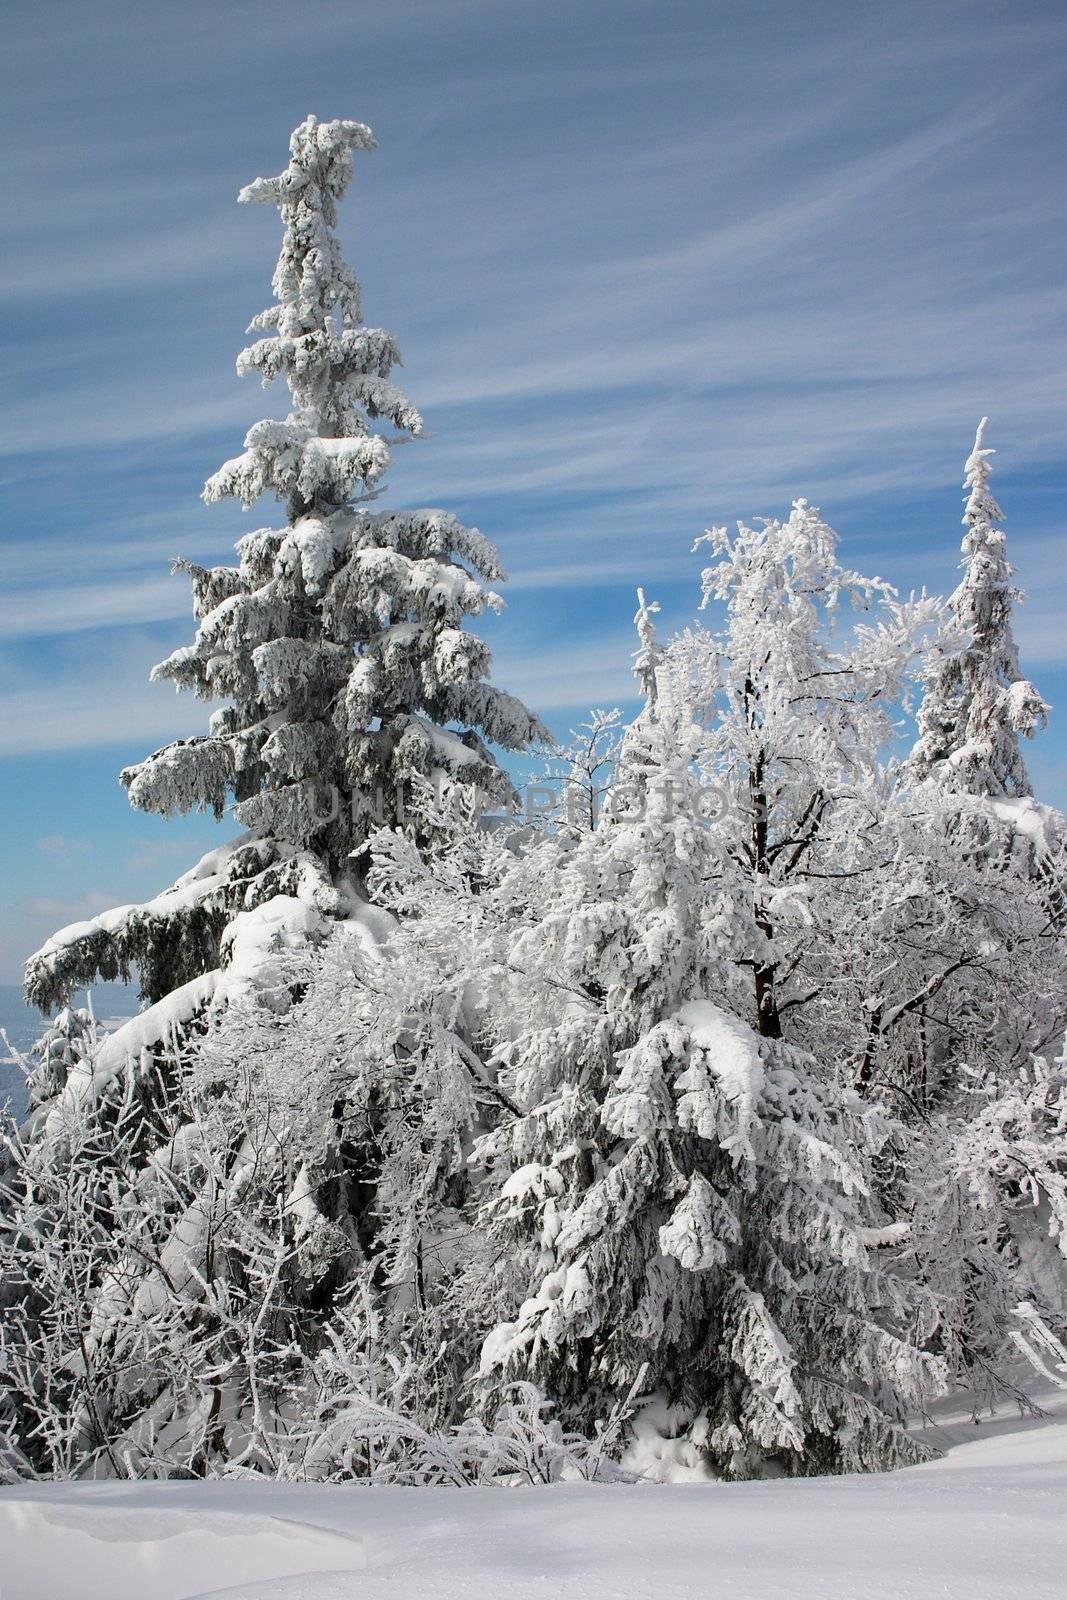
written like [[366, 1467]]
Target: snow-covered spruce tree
[[676, 1194], [976, 702], [337, 640], [975, 706], [982, 1167]]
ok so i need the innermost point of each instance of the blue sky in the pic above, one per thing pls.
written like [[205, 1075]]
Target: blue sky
[[651, 266]]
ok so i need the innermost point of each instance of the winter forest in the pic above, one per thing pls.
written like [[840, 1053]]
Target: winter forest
[[686, 1101]]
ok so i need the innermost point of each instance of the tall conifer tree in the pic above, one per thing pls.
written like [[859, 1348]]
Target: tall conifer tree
[[976, 702], [337, 641]]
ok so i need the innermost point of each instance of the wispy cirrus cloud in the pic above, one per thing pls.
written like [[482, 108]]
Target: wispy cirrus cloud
[[77, 608], [94, 693]]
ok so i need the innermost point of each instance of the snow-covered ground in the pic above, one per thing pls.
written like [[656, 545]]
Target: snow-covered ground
[[988, 1522]]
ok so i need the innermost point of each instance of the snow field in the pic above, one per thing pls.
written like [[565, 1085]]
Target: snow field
[[984, 1523]]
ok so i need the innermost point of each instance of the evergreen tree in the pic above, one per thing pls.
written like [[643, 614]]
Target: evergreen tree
[[976, 701], [679, 1198], [337, 639]]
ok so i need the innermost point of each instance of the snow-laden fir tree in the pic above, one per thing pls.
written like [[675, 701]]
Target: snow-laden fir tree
[[679, 1199], [975, 706], [982, 1171], [337, 640], [976, 702]]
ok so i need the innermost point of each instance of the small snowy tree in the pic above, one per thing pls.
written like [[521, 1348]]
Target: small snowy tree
[[67, 1045], [1012, 1150], [985, 1185], [578, 775], [976, 702]]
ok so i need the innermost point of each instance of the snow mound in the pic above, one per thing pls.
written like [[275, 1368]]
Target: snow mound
[[169, 1541]]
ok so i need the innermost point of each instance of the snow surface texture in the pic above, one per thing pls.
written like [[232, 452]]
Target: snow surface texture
[[984, 1523]]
